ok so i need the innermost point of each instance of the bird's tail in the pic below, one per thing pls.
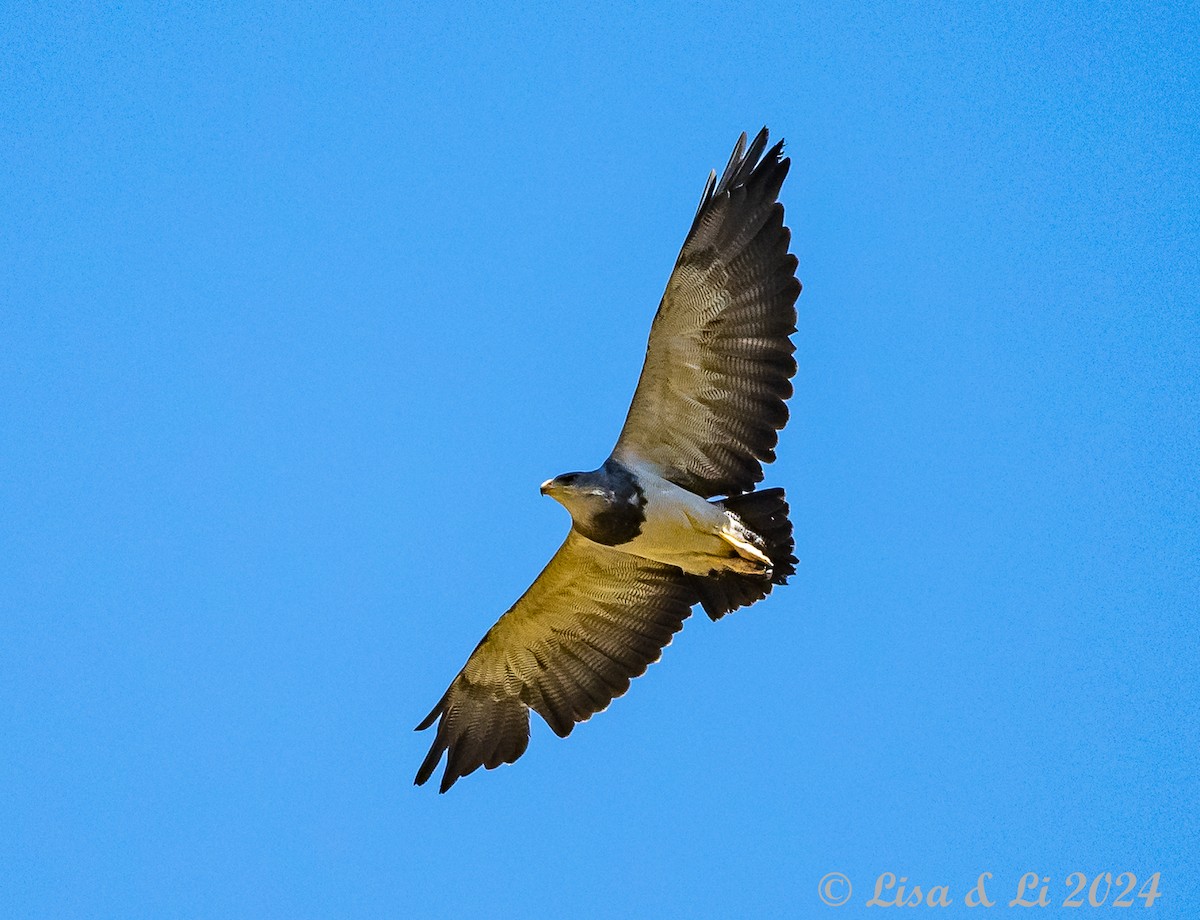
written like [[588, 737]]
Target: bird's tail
[[765, 513]]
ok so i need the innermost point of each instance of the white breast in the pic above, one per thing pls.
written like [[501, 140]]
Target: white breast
[[680, 528]]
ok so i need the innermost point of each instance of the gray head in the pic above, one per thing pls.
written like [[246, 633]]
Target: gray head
[[605, 504], [583, 494]]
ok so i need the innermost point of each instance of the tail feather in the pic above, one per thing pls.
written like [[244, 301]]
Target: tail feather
[[766, 513]]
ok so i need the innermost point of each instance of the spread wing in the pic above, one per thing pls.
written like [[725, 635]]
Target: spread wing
[[594, 619], [710, 401]]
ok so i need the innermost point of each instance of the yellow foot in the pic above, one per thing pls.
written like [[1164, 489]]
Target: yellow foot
[[736, 534]]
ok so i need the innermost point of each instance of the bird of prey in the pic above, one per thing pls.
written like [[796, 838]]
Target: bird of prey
[[669, 520]]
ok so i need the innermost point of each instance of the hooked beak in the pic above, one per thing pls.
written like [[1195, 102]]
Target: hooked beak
[[548, 487]]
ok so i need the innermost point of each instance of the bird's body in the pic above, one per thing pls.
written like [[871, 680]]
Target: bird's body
[[682, 529], [671, 519], [650, 517]]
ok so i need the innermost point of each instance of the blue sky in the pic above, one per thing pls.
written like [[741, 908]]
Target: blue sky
[[298, 306]]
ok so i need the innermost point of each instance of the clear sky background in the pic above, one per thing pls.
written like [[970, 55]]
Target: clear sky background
[[298, 306]]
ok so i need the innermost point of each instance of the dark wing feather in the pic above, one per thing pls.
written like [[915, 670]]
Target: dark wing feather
[[594, 619], [710, 400]]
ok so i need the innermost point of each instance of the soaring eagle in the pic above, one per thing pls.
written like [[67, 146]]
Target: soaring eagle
[[669, 520]]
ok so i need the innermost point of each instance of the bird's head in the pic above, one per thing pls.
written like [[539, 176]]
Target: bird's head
[[583, 494]]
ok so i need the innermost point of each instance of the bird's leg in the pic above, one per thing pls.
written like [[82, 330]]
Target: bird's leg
[[747, 566], [747, 544]]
